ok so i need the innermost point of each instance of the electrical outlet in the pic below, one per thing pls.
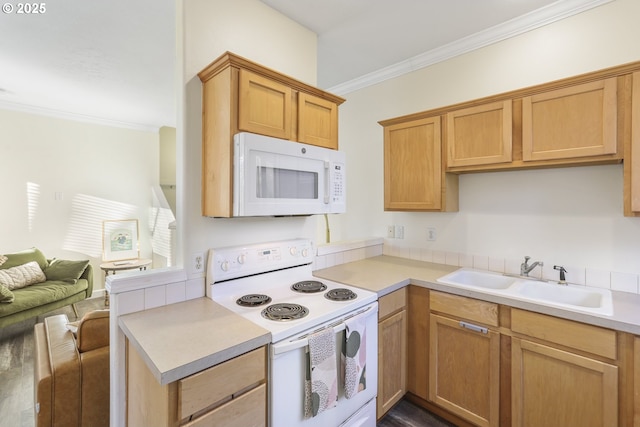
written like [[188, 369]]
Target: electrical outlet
[[391, 231], [399, 231], [197, 262], [432, 234]]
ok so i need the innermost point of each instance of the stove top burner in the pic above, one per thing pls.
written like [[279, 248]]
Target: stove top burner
[[309, 286], [340, 294], [253, 300], [284, 312]]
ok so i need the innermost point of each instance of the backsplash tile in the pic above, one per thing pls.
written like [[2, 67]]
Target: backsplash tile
[[155, 297], [598, 278], [176, 292], [131, 302], [624, 282], [337, 254], [497, 264]]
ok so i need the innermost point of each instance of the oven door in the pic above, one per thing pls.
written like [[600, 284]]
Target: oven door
[[287, 376], [274, 177]]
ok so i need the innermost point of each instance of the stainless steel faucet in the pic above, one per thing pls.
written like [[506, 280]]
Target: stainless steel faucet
[[525, 268]]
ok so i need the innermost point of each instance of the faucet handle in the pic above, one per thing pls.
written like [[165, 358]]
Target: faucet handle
[[526, 259], [562, 271]]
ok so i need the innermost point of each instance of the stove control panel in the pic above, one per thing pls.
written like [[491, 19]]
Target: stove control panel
[[240, 261]]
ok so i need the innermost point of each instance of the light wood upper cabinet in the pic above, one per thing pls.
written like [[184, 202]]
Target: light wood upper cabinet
[[317, 121], [239, 95], [577, 121], [264, 106], [632, 154], [414, 179], [392, 348], [479, 135]]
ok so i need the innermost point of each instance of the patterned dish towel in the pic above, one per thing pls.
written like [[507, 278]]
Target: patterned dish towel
[[321, 384], [354, 355]]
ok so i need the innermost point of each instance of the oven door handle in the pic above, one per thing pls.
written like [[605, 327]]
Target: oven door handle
[[303, 341]]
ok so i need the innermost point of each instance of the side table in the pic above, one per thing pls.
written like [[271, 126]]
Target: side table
[[113, 266]]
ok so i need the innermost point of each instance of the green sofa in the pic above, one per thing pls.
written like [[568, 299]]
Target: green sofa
[[66, 282]]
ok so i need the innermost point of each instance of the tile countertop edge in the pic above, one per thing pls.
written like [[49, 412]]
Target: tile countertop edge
[[385, 274], [149, 332]]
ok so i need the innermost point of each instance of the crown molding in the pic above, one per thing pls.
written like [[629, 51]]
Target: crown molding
[[554, 12], [41, 111]]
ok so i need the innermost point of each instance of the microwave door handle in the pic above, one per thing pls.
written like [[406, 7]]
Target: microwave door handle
[[326, 182]]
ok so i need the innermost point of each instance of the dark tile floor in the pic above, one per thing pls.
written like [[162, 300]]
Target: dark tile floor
[[406, 414]]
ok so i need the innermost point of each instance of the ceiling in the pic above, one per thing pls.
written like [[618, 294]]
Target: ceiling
[[114, 62]]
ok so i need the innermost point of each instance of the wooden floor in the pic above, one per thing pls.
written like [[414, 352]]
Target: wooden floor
[[406, 414], [16, 365]]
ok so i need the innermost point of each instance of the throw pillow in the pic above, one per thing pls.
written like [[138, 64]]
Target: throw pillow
[[66, 270], [22, 276], [3, 259], [6, 296], [20, 258]]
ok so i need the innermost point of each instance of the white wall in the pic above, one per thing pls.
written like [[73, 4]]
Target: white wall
[[257, 32], [98, 172], [570, 216]]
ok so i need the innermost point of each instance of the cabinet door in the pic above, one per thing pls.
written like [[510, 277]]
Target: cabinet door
[[577, 121], [464, 370], [480, 135], [413, 165], [632, 162], [264, 106], [392, 365], [636, 381], [418, 341], [317, 121], [554, 387]]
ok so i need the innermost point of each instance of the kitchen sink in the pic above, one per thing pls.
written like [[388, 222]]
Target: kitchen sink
[[591, 299], [466, 277], [571, 297]]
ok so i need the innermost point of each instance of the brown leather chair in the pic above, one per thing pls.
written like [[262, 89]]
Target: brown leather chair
[[71, 374]]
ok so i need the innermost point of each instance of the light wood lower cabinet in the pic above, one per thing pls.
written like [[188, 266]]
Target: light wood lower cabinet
[[392, 350], [230, 394], [636, 381], [464, 362], [559, 376], [418, 341], [555, 387]]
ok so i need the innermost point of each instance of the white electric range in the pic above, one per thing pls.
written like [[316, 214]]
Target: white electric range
[[272, 285]]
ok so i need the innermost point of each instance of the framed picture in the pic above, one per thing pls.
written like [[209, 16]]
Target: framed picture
[[120, 240]]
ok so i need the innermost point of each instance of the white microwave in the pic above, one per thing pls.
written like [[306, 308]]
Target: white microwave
[[275, 177]]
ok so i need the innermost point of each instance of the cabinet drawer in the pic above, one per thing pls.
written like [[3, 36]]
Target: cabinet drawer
[[392, 302], [205, 388], [580, 336], [465, 308], [248, 410]]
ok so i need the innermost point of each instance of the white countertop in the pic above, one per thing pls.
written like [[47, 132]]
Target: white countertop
[[385, 274], [180, 339]]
